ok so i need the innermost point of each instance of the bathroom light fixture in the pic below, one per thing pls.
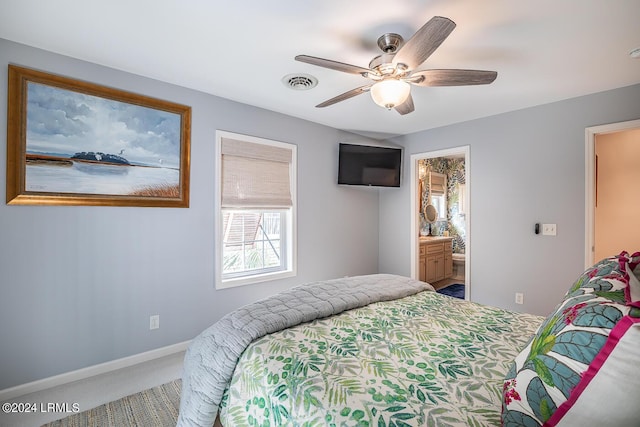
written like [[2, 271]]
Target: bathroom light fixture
[[390, 93]]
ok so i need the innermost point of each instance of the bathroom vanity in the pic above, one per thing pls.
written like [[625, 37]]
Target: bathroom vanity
[[435, 258]]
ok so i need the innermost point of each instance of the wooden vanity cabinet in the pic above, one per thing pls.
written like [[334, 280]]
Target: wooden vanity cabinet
[[436, 261], [422, 268]]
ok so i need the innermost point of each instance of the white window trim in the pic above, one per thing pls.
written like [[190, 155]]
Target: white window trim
[[291, 236]]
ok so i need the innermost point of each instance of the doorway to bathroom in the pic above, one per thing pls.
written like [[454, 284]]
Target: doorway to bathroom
[[440, 217]]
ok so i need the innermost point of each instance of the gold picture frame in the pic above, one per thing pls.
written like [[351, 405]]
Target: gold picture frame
[[71, 142]]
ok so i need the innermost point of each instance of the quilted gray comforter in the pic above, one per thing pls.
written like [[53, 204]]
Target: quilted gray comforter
[[212, 355]]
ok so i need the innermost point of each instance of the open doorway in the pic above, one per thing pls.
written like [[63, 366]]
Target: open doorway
[[620, 141], [440, 218]]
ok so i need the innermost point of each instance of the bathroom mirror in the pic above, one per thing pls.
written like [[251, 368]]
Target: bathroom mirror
[[430, 213]]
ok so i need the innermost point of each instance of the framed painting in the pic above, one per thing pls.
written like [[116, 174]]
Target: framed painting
[[70, 142]]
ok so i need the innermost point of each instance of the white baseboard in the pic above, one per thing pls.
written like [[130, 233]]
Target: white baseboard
[[91, 371]]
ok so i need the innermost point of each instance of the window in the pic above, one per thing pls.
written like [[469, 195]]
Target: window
[[252, 242], [462, 205], [255, 238]]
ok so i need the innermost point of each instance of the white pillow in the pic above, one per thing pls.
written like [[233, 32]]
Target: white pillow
[[608, 392]]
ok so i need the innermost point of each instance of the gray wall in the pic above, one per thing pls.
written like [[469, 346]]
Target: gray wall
[[72, 298], [526, 166]]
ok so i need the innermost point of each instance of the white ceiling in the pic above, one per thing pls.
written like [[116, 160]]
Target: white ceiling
[[543, 50]]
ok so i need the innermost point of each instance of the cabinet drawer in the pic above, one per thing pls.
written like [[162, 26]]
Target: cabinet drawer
[[422, 250], [435, 248]]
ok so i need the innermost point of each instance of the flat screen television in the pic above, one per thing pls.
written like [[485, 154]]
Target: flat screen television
[[369, 165]]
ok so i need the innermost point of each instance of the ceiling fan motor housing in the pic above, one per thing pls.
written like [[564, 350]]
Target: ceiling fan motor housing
[[390, 42]]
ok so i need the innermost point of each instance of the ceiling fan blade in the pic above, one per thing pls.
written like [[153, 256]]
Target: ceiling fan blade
[[345, 96], [334, 65], [453, 77], [424, 42], [406, 107]]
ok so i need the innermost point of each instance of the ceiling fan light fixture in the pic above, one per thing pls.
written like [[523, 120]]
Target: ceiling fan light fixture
[[390, 93]]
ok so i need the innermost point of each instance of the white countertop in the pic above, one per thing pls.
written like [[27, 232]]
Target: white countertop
[[435, 238]]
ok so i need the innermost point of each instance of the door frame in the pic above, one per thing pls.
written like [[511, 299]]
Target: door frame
[[415, 219], [590, 179]]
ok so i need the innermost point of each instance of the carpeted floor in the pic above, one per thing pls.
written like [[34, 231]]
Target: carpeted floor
[[455, 290], [156, 407]]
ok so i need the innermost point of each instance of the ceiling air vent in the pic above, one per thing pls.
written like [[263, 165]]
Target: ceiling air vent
[[300, 81]]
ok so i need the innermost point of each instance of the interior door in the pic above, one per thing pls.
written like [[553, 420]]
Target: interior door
[[617, 206], [591, 133]]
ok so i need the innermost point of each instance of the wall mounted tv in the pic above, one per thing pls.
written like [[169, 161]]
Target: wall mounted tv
[[369, 165]]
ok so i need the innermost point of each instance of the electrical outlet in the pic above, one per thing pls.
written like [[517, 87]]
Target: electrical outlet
[[548, 229], [519, 298], [154, 322]]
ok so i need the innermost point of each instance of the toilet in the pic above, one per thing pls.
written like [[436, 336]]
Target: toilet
[[458, 266]]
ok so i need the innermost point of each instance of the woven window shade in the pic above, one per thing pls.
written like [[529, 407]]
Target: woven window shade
[[437, 184], [255, 175]]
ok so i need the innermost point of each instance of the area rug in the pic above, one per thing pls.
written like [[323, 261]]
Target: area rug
[[455, 290], [155, 407]]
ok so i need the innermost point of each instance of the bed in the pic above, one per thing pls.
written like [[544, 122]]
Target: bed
[[409, 361], [385, 350]]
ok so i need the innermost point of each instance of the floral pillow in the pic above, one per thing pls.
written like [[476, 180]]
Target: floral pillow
[[609, 278], [581, 367], [632, 271], [634, 287]]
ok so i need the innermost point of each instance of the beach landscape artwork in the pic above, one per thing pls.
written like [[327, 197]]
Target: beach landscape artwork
[[79, 143]]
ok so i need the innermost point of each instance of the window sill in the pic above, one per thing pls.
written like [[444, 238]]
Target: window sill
[[250, 280]]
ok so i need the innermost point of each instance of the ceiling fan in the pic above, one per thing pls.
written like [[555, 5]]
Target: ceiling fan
[[394, 72]]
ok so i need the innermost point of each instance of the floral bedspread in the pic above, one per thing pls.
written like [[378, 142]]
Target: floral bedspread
[[423, 360]]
